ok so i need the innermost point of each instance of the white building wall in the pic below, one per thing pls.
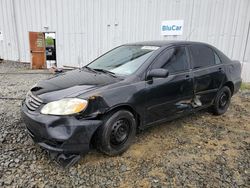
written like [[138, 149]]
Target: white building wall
[[8, 46], [87, 28]]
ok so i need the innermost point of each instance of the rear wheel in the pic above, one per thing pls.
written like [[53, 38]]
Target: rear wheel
[[117, 133], [222, 101]]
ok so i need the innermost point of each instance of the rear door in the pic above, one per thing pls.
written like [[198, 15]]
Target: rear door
[[208, 72], [169, 97], [37, 50]]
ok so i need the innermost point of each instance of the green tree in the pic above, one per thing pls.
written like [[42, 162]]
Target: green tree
[[49, 41]]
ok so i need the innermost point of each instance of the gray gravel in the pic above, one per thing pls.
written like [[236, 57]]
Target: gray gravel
[[196, 151]]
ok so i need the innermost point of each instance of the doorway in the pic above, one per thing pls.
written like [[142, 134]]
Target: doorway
[[37, 50], [42, 49], [50, 43]]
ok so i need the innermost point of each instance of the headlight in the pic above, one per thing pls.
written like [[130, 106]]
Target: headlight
[[65, 106]]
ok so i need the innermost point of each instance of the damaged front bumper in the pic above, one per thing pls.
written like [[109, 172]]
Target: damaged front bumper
[[61, 134]]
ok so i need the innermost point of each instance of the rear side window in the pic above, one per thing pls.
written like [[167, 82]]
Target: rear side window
[[202, 56], [217, 59], [174, 59]]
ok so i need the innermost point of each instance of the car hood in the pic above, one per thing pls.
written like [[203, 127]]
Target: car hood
[[71, 84]]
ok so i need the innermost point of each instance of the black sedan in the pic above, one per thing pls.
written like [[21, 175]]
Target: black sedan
[[125, 90]]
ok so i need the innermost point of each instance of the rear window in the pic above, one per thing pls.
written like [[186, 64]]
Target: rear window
[[202, 56]]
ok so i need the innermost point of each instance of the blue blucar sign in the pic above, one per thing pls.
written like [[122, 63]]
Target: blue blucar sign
[[172, 27]]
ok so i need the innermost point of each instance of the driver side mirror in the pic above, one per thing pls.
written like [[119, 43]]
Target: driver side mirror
[[157, 73]]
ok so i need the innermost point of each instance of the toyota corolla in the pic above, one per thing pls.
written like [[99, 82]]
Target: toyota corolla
[[129, 88]]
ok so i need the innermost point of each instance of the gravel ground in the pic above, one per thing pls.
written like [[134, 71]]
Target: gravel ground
[[201, 150]]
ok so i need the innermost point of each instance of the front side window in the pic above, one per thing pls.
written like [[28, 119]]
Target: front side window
[[174, 60], [202, 56], [123, 60]]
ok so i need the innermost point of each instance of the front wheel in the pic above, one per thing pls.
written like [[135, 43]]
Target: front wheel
[[222, 101], [117, 133]]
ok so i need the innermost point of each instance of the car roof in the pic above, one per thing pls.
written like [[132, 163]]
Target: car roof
[[162, 43]]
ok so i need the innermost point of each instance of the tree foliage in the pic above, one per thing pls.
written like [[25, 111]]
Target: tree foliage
[[49, 41]]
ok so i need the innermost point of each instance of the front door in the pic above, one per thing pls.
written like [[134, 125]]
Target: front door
[[169, 97], [37, 50]]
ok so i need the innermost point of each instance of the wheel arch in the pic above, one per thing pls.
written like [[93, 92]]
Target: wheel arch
[[128, 108], [230, 85], [115, 109]]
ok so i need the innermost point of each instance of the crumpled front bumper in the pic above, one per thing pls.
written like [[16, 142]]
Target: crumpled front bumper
[[63, 134]]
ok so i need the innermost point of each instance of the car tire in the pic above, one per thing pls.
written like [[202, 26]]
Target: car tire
[[222, 101], [117, 132]]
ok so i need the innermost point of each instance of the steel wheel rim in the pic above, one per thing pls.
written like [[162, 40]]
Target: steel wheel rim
[[120, 132], [223, 101]]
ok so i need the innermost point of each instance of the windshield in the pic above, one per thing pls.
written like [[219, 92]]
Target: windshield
[[123, 60]]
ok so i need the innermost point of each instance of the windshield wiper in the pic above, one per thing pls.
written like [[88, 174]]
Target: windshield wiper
[[90, 69], [106, 71]]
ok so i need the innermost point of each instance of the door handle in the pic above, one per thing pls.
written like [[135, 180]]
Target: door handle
[[220, 69], [187, 76]]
